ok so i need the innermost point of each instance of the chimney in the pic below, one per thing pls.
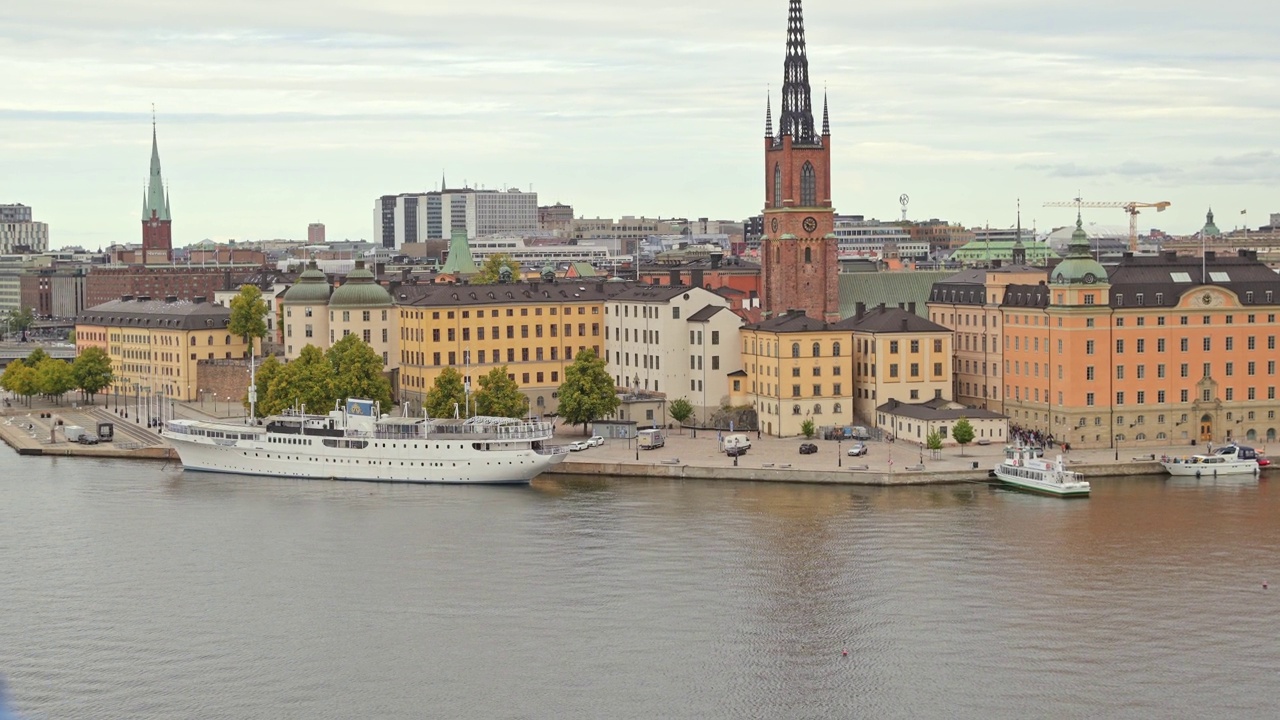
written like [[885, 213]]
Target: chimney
[[144, 298], [1210, 256], [911, 308], [902, 306], [198, 299], [715, 260], [600, 287], [904, 324], [171, 299], [673, 277], [859, 309], [1171, 255], [996, 263], [1128, 255], [880, 307], [405, 273], [695, 277]]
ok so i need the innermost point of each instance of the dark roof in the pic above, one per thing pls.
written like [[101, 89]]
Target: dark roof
[[456, 295], [706, 313], [938, 409], [1154, 276], [1026, 296], [651, 293], [892, 320], [890, 288], [795, 321], [157, 314], [738, 373]]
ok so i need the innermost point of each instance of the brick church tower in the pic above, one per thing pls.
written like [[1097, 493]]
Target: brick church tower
[[157, 237], [799, 263]]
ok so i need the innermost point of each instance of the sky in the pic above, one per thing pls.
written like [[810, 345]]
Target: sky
[[272, 115]]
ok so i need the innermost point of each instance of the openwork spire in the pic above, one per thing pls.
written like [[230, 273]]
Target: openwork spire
[[826, 117], [768, 116], [796, 119]]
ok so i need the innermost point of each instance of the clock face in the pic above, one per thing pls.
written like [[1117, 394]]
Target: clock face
[[810, 224], [774, 225], [1206, 299]]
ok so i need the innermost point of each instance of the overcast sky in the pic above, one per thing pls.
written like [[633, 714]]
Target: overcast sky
[[276, 113]]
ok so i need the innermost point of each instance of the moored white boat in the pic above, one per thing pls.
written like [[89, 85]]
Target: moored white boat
[[1227, 460], [1023, 468], [353, 443]]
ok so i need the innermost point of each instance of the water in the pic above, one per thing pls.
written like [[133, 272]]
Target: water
[[132, 591]]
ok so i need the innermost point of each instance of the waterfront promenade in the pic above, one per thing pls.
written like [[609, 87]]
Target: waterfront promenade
[[686, 455]]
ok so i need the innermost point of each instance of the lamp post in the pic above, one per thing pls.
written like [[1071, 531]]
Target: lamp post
[[839, 450]]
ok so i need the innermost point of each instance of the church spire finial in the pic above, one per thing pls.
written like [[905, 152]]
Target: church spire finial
[[796, 119]]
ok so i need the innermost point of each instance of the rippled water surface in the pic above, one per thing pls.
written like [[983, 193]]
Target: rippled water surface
[[136, 591]]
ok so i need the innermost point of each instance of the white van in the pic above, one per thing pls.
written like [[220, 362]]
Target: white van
[[741, 442], [650, 439]]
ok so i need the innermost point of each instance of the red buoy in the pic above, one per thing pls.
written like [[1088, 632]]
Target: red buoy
[[845, 653]]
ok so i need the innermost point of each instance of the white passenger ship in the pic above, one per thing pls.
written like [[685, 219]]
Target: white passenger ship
[[1023, 468], [354, 443]]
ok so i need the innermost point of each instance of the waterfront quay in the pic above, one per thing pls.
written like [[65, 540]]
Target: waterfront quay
[[689, 454]]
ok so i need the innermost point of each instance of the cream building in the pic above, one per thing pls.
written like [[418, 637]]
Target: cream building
[[305, 312], [679, 341], [360, 306], [899, 356]]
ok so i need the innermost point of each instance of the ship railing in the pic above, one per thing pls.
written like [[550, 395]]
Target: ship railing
[[553, 451]]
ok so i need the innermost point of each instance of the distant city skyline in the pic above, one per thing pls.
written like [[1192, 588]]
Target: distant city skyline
[[274, 116]]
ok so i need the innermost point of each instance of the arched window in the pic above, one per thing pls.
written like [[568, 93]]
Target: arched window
[[795, 350], [777, 185], [835, 352], [808, 186], [837, 409], [817, 349], [808, 255], [795, 409], [817, 409]]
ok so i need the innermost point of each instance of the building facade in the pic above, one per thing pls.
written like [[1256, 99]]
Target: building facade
[[315, 234], [799, 249], [676, 340], [420, 217], [156, 346], [798, 368], [898, 356], [19, 234], [182, 281]]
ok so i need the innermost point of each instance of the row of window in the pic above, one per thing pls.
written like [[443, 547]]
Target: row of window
[[451, 334]]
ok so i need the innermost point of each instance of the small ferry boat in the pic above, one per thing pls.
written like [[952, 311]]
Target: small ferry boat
[[355, 442], [1023, 468], [1227, 460]]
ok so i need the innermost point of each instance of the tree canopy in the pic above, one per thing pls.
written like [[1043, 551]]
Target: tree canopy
[[680, 410], [92, 371], [308, 380], [36, 357], [265, 374], [962, 433], [54, 378], [19, 379], [588, 393], [21, 319], [808, 429], [447, 395], [249, 314], [499, 395], [491, 270], [357, 371]]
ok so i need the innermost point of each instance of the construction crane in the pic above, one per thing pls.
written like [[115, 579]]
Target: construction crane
[[1133, 208]]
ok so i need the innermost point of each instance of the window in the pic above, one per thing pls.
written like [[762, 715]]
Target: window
[[1088, 373], [715, 337], [835, 350], [1231, 344], [777, 195], [893, 346], [795, 391], [808, 255], [1119, 372], [1120, 347], [937, 369], [893, 370], [795, 350], [915, 346], [1119, 400], [808, 186], [675, 313], [1088, 347], [1142, 344], [1184, 344], [1142, 395], [1088, 400], [915, 370]]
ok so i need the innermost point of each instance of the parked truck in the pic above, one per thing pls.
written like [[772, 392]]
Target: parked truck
[[650, 439]]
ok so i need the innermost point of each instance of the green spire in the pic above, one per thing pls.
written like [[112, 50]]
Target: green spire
[[1079, 245], [460, 261], [1210, 229], [156, 200]]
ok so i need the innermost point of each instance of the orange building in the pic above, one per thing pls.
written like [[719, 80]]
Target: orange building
[[1161, 351]]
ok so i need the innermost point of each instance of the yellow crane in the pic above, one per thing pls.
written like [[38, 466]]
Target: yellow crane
[[1133, 208]]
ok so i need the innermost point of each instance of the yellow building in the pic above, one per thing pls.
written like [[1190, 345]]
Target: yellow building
[[796, 369], [156, 345], [900, 356], [534, 329]]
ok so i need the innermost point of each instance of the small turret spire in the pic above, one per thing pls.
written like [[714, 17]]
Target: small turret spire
[[826, 117], [768, 115], [442, 185]]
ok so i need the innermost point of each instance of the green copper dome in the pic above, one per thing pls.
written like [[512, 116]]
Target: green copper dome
[[312, 287], [1079, 266], [1210, 228], [360, 290]]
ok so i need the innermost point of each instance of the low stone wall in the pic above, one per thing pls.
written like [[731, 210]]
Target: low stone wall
[[227, 378]]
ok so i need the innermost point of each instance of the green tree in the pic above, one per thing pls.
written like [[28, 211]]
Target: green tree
[[22, 319], [357, 371], [54, 378], [92, 371], [36, 357], [307, 381], [962, 433], [934, 442], [680, 410], [808, 429], [71, 336], [588, 393], [491, 270], [446, 396], [266, 373], [248, 314], [499, 395], [20, 379]]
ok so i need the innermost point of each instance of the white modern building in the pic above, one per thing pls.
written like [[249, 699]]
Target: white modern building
[[19, 233], [678, 341], [418, 217], [859, 237], [536, 256]]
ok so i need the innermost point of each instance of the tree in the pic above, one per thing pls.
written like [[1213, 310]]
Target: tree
[[307, 381], [447, 395], [807, 428], [357, 371], [962, 433], [36, 357], [92, 371], [491, 271], [263, 376], [680, 410], [20, 379], [22, 319], [934, 442], [588, 392], [248, 314], [54, 378], [499, 395]]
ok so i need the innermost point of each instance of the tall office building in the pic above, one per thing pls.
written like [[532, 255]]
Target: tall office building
[[417, 217], [315, 234], [19, 234]]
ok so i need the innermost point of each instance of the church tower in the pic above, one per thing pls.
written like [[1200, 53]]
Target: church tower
[[157, 238], [799, 264]]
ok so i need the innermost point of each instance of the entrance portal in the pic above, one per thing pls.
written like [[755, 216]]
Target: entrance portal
[[1206, 428]]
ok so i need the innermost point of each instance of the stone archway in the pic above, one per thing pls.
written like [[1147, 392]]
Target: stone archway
[[1251, 436], [1206, 428]]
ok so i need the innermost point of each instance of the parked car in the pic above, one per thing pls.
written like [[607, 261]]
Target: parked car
[[735, 451], [857, 450], [578, 445], [87, 440], [984, 441], [595, 441], [808, 449]]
